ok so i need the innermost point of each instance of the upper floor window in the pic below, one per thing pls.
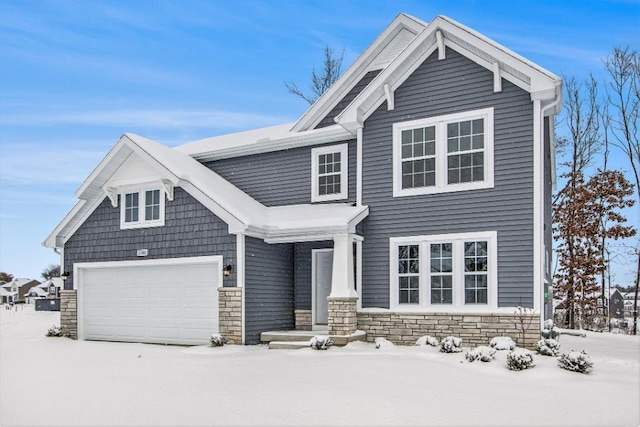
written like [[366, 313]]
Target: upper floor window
[[443, 154], [329, 173], [142, 208], [444, 272]]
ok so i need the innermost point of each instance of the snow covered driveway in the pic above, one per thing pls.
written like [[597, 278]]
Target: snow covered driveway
[[57, 381]]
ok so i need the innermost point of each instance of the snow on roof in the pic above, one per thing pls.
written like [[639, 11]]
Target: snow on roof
[[6, 293], [56, 281], [19, 282], [37, 291]]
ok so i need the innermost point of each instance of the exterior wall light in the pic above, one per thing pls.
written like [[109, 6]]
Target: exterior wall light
[[227, 270]]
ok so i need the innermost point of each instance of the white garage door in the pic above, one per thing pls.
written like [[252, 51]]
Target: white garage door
[[156, 301]]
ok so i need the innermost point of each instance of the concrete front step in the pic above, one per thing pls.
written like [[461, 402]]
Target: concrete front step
[[288, 345], [301, 338]]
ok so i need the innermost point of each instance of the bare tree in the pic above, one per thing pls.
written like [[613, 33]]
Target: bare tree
[[332, 67], [50, 272], [623, 66], [5, 277]]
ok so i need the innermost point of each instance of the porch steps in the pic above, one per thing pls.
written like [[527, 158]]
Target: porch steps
[[300, 339]]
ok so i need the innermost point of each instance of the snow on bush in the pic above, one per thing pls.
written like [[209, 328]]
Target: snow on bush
[[502, 343], [54, 331], [576, 361], [428, 340], [548, 331], [451, 345], [320, 342], [481, 353], [217, 340], [383, 343], [519, 360], [548, 347]]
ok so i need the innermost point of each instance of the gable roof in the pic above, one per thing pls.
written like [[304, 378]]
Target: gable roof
[[241, 212], [398, 51]]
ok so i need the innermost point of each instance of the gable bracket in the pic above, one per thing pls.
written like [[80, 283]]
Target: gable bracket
[[388, 93], [112, 194], [168, 186], [497, 80], [440, 41]]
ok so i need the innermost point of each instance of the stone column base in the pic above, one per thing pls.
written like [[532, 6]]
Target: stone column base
[[230, 314], [303, 320], [342, 315], [69, 313]]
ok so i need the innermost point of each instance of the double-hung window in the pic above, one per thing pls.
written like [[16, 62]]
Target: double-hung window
[[142, 208], [444, 272], [443, 154], [329, 173]]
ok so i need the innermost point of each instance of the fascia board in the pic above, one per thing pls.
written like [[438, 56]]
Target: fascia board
[[355, 72], [542, 82], [52, 240], [97, 171], [329, 134]]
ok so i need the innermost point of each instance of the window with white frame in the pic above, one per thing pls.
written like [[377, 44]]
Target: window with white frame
[[443, 154], [444, 272], [142, 208], [329, 173]]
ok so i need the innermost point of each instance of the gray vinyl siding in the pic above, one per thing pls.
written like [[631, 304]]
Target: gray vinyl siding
[[190, 230], [281, 177], [436, 88], [269, 293], [355, 91], [303, 272]]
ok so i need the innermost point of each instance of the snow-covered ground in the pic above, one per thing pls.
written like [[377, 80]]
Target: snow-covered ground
[[57, 381]]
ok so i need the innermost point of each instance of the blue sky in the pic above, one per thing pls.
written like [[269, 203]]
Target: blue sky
[[75, 75]]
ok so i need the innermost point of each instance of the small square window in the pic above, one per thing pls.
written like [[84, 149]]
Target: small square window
[[329, 177], [143, 208]]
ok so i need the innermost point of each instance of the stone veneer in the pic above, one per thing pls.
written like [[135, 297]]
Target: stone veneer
[[342, 315], [69, 313], [230, 314], [303, 320], [474, 329]]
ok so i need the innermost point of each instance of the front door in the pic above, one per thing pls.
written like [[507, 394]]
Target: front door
[[322, 267]]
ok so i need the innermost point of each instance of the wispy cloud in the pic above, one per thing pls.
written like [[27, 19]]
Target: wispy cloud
[[147, 118]]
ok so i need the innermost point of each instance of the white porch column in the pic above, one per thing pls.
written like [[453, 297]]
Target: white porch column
[[342, 285]]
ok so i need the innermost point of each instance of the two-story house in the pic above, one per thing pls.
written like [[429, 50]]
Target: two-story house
[[412, 198]]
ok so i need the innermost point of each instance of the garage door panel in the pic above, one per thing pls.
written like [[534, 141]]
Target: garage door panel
[[173, 304]]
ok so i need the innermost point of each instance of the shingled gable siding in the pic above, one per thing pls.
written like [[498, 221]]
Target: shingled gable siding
[[190, 230], [280, 177], [268, 291], [364, 82], [442, 87]]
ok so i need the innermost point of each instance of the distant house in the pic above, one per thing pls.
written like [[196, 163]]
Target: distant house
[[412, 198], [628, 298], [46, 289], [16, 289], [616, 304]]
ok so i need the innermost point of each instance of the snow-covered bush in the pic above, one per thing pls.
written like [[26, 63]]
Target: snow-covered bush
[[383, 343], [548, 347], [576, 361], [320, 342], [217, 340], [451, 345], [54, 331], [502, 343], [428, 340], [481, 353], [519, 360]]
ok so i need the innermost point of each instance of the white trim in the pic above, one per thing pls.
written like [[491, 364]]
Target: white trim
[[313, 282], [240, 275], [538, 206], [440, 123], [441, 47], [359, 144], [358, 241], [142, 204], [343, 149], [497, 80], [458, 304], [389, 94], [79, 267]]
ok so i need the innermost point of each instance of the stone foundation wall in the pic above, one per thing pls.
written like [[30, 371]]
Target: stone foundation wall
[[342, 315], [69, 313], [303, 320], [230, 314], [474, 329]]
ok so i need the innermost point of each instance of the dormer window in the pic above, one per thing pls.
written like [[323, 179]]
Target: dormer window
[[329, 173], [142, 208]]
